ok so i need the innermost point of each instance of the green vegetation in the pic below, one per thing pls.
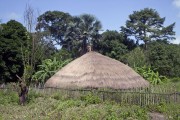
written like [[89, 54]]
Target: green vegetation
[[136, 57], [60, 106], [28, 54], [34, 56], [70, 32], [170, 110], [114, 44], [146, 25], [165, 58], [48, 68], [153, 77], [8, 97], [12, 39]]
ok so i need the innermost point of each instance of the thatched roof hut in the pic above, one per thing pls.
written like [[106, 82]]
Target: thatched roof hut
[[94, 70]]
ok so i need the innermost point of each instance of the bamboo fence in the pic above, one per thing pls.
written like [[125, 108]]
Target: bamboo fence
[[139, 96]]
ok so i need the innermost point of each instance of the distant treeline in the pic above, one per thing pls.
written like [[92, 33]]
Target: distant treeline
[[59, 36]]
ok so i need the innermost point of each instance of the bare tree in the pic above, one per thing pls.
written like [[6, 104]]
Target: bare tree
[[30, 16]]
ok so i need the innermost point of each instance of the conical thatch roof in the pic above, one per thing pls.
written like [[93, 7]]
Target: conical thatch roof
[[94, 70]]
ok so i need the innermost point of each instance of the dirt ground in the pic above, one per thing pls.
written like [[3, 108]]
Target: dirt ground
[[157, 116]]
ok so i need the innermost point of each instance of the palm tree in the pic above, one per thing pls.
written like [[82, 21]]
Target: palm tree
[[89, 30], [82, 30]]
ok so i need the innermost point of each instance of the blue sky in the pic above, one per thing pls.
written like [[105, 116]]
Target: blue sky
[[112, 13]]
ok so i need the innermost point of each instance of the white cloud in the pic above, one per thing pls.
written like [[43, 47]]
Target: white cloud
[[176, 3], [177, 40], [14, 16]]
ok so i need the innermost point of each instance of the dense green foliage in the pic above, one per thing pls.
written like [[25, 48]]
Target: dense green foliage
[[165, 58], [70, 32], [136, 57], [162, 57], [13, 40], [54, 25], [114, 44]]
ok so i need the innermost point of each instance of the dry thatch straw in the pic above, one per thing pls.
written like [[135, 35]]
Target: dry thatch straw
[[94, 70]]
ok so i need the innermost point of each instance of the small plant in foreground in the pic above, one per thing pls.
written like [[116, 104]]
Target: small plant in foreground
[[91, 99]]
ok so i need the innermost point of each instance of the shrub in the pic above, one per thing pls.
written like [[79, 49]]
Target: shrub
[[8, 97], [91, 99], [56, 96], [67, 104], [176, 79], [32, 95], [150, 75]]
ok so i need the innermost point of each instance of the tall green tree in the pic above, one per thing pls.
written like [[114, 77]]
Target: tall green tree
[[54, 25], [146, 25], [12, 40]]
